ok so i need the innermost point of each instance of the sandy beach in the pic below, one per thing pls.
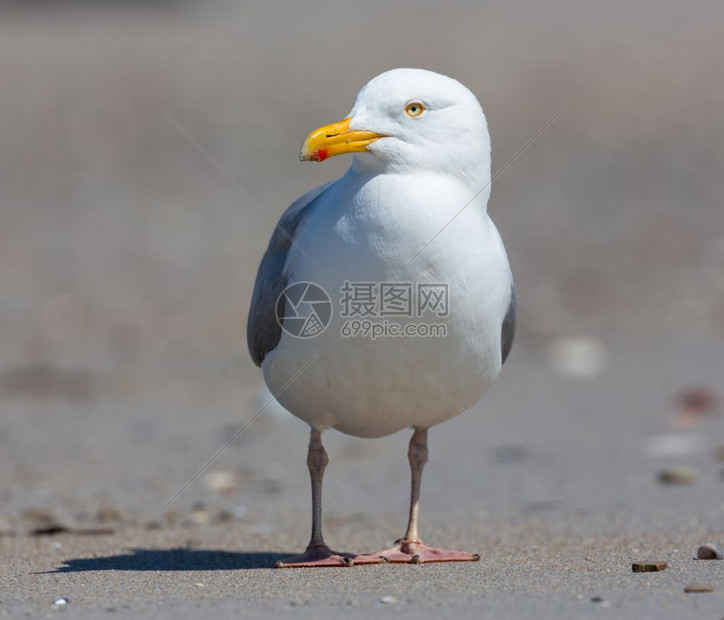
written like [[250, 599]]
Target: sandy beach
[[211, 551]]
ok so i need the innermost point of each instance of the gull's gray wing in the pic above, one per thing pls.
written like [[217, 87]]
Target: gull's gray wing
[[263, 331], [507, 332]]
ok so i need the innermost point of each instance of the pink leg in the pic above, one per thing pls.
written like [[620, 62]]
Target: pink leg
[[317, 552], [410, 549]]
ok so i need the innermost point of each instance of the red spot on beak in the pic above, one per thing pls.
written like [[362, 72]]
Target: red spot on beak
[[320, 154]]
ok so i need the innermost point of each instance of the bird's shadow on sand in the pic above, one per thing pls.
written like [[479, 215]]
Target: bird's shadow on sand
[[179, 559]]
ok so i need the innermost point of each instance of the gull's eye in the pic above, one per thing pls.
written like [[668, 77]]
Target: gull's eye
[[414, 109]]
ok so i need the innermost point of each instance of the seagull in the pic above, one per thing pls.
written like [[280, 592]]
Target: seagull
[[408, 218]]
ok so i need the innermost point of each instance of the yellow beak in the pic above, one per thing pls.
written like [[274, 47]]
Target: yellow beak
[[336, 139]]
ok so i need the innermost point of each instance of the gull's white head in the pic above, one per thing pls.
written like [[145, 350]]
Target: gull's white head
[[410, 120]]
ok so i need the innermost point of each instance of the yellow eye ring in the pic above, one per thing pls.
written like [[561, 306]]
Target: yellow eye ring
[[414, 109]]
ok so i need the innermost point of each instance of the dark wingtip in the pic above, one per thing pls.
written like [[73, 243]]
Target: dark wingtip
[[507, 332]]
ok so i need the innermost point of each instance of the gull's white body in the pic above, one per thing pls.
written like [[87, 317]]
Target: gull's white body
[[411, 208], [365, 228]]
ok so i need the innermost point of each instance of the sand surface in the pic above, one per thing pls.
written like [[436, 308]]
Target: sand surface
[[587, 444]]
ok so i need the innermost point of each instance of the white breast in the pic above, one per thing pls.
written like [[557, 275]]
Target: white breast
[[365, 229]]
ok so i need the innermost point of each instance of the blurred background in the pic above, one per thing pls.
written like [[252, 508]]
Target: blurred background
[[127, 260]]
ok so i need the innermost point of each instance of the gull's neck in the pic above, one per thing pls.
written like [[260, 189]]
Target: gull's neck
[[474, 177]]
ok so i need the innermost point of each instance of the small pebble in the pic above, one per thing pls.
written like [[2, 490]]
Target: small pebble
[[698, 587], [388, 600], [648, 567], [94, 531], [699, 399], [170, 516], [154, 525], [674, 445], [42, 523], [709, 551], [224, 515], [221, 481], [60, 601], [200, 516], [108, 513], [677, 475], [199, 585], [578, 357]]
